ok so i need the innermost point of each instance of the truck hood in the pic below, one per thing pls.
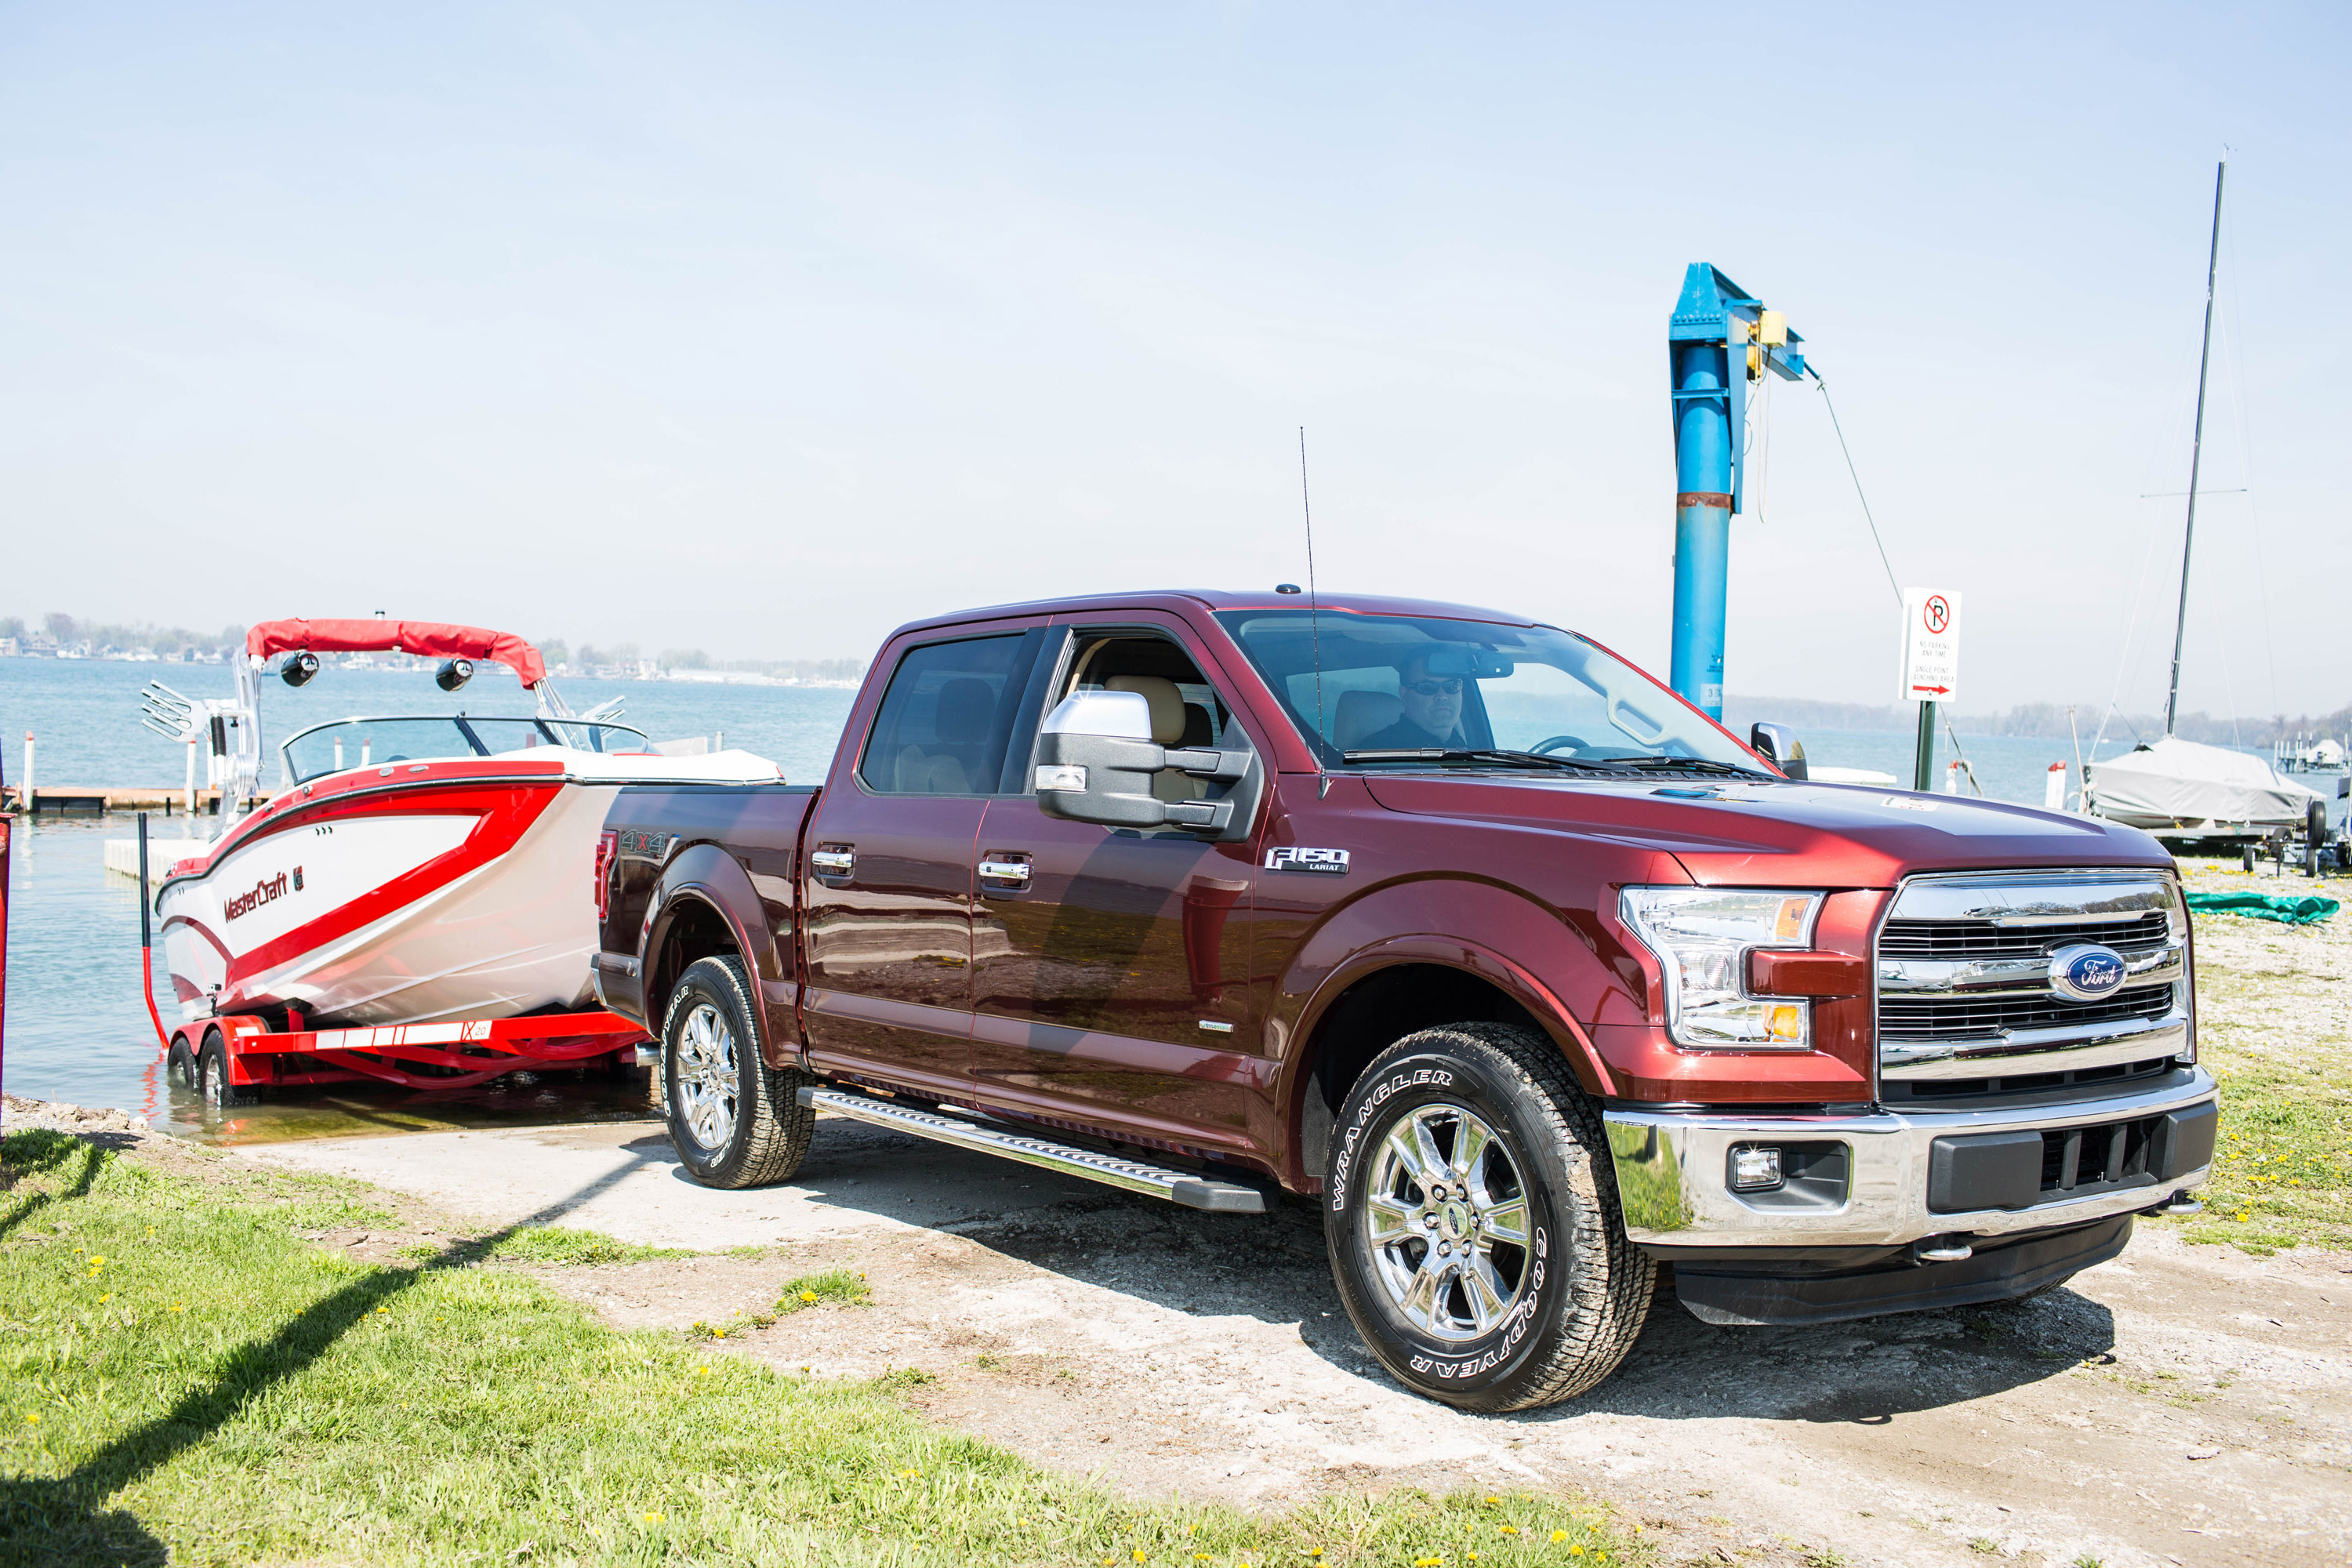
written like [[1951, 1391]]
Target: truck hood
[[1779, 833]]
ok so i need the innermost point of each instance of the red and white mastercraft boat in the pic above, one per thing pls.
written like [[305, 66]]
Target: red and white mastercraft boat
[[409, 870]]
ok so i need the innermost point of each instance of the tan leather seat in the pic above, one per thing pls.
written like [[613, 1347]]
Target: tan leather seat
[[1167, 706], [1363, 713]]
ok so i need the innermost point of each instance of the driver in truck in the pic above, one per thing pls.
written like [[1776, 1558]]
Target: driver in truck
[[1432, 708]]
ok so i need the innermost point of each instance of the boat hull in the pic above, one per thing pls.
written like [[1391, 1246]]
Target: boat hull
[[446, 898]]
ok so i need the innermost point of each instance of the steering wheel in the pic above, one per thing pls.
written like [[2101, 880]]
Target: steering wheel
[[1544, 748]]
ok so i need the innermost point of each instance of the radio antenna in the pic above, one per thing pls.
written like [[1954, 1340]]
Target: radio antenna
[[1314, 616]]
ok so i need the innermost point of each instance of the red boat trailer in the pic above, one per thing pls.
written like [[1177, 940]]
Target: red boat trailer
[[467, 1051], [456, 1053]]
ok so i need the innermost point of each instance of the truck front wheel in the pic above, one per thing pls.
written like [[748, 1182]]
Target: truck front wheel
[[734, 1121], [1472, 1216]]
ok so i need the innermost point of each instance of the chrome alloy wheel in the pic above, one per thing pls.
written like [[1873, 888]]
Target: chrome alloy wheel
[[709, 1080], [1445, 1221]]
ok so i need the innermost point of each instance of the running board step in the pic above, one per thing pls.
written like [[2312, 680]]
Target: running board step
[[1184, 1187]]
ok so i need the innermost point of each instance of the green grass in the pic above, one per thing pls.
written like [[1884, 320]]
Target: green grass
[[555, 1244], [2282, 1167], [181, 1373], [839, 1287]]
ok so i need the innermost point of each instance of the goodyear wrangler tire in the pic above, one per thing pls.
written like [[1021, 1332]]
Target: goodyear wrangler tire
[[734, 1121], [1472, 1216]]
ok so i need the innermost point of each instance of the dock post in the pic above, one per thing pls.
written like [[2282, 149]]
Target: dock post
[[24, 790], [191, 808]]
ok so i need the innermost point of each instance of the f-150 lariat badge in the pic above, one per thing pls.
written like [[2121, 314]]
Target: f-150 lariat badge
[[1330, 862]]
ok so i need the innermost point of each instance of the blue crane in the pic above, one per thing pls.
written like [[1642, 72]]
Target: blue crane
[[1719, 339]]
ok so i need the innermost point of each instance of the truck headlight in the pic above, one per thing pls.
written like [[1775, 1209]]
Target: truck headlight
[[1702, 938]]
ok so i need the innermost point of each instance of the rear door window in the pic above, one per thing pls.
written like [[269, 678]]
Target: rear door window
[[946, 718]]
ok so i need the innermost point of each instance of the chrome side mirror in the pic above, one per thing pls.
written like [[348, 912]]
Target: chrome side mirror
[[1780, 746], [1096, 761]]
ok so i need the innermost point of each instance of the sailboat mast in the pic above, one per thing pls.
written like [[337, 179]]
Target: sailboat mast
[[2196, 451]]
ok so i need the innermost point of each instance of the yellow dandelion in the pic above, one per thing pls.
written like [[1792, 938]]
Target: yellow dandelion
[[808, 1295], [1507, 1529], [1138, 1554], [702, 1371], [653, 1519], [34, 1416], [1577, 1550]]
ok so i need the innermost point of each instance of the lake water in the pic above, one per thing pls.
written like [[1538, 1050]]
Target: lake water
[[76, 1027]]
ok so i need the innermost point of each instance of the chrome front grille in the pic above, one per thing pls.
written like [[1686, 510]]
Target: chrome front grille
[[1962, 972], [1966, 1017], [1978, 939]]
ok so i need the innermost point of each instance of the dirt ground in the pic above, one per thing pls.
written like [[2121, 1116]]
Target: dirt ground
[[2182, 1403]]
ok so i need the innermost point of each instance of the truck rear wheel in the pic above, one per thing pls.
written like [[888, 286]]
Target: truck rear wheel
[[1472, 1216], [734, 1120]]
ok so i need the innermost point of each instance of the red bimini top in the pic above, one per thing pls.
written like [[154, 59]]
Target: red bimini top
[[434, 639]]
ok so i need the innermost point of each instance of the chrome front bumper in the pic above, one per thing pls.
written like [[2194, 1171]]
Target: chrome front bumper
[[1674, 1174]]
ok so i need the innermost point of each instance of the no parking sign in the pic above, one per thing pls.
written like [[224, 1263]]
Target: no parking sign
[[1931, 644]]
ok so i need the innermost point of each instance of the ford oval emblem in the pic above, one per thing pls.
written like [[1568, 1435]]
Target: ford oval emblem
[[2085, 971]]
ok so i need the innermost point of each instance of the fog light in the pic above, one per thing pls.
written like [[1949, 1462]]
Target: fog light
[[1755, 1170]]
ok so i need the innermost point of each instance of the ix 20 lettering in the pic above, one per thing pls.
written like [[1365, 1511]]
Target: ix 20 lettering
[[1330, 862]]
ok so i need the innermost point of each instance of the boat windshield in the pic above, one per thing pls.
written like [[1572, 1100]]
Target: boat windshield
[[1420, 692], [344, 743]]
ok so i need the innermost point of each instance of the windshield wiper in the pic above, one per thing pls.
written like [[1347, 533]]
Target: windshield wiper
[[1686, 765], [1473, 754]]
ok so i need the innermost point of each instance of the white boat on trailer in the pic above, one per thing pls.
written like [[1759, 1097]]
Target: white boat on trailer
[[409, 869]]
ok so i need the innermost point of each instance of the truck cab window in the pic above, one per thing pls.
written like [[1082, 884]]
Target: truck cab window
[[946, 718]]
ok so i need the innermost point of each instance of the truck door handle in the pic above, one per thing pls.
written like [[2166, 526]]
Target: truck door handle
[[838, 861], [1004, 876]]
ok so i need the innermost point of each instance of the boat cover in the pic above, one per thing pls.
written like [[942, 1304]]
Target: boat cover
[[2178, 781], [431, 639]]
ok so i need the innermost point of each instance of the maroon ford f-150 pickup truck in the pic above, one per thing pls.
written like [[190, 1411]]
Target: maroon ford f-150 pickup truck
[[1528, 973]]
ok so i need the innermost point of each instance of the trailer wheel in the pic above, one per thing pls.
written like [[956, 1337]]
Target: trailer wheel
[[179, 1067], [212, 1077], [1470, 1210], [734, 1121]]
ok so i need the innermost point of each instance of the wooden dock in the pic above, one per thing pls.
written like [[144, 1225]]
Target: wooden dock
[[83, 800]]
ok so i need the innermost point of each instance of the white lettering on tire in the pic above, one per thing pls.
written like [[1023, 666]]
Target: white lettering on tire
[[1396, 1084]]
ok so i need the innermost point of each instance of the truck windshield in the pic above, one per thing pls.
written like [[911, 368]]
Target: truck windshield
[[1422, 691]]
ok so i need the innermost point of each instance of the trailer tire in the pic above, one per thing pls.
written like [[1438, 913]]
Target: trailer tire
[[734, 1120], [1507, 1282], [212, 1077], [179, 1067]]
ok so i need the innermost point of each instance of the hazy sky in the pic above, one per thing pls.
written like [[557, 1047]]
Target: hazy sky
[[764, 329]]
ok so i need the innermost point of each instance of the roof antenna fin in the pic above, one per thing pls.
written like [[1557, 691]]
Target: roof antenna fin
[[1314, 617]]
